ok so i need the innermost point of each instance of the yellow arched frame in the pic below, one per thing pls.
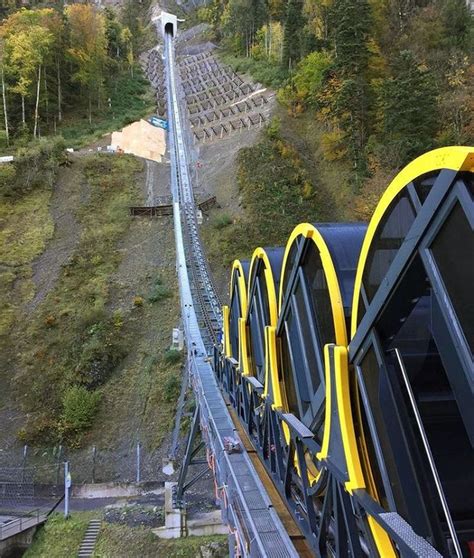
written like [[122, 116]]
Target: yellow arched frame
[[452, 158]]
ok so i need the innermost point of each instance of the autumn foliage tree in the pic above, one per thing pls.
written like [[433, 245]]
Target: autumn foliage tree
[[55, 59], [88, 51]]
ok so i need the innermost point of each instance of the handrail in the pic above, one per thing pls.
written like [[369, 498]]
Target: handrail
[[18, 522], [429, 455]]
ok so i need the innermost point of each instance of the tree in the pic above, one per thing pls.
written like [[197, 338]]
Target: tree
[[409, 110], [29, 42], [241, 20], [27, 51], [126, 39], [88, 49], [307, 82], [318, 15], [350, 101], [292, 33], [4, 97]]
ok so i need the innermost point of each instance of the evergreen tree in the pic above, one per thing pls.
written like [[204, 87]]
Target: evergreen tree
[[409, 110], [351, 24], [292, 33]]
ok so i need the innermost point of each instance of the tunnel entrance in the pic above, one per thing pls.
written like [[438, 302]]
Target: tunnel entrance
[[169, 29]]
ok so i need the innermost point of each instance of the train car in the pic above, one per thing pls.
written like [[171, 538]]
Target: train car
[[348, 356]]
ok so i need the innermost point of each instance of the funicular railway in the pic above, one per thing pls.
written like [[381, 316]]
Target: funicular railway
[[348, 358]]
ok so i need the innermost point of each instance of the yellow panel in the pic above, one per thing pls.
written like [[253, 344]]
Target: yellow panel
[[327, 417], [226, 330], [344, 408], [381, 539], [244, 364]]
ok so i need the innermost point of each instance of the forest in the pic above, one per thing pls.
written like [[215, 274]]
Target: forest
[[60, 62], [386, 80]]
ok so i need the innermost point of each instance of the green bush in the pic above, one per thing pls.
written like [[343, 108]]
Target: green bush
[[101, 352], [79, 408], [159, 291], [172, 387], [270, 74], [35, 166], [7, 178], [172, 356], [222, 221]]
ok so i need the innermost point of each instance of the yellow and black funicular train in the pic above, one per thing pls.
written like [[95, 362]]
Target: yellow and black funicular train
[[348, 355]]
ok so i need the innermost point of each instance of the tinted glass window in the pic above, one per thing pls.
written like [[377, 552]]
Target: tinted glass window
[[453, 250], [308, 340], [319, 294], [286, 371], [389, 237], [289, 265]]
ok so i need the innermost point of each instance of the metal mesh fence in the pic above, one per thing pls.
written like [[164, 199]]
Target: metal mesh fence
[[131, 463]]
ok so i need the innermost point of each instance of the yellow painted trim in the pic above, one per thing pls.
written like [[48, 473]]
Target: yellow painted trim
[[381, 539], [344, 408], [327, 416], [243, 353], [453, 158], [260, 254], [271, 368], [237, 265], [309, 231], [242, 289], [226, 330]]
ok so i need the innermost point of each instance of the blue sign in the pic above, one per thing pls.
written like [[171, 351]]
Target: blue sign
[[158, 122]]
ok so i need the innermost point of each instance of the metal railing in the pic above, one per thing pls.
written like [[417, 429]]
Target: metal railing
[[22, 523]]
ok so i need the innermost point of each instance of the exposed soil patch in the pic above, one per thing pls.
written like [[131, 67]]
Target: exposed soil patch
[[67, 195]]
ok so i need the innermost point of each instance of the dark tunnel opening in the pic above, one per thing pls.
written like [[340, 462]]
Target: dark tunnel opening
[[169, 29]]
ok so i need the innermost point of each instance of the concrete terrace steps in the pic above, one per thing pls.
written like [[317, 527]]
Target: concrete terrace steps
[[88, 542]]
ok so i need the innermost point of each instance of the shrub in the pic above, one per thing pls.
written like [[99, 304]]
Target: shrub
[[79, 408], [100, 354], [172, 388], [7, 177], [138, 301], [159, 291], [172, 356], [222, 221]]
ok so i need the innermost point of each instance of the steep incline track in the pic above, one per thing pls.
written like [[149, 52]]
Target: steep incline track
[[246, 507], [208, 309]]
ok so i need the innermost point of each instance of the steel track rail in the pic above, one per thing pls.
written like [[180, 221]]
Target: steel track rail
[[246, 506]]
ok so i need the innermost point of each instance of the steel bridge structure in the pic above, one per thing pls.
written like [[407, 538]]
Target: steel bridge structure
[[347, 356]]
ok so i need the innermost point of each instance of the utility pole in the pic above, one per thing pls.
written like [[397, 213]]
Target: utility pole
[[67, 486]]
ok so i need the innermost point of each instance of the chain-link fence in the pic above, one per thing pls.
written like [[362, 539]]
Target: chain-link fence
[[131, 463]]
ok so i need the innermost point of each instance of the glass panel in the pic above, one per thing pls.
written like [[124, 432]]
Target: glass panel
[[286, 370], [299, 368], [390, 236], [289, 264], [423, 185], [309, 343], [453, 250], [319, 294]]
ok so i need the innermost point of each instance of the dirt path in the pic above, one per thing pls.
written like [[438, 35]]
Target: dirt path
[[66, 198]]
